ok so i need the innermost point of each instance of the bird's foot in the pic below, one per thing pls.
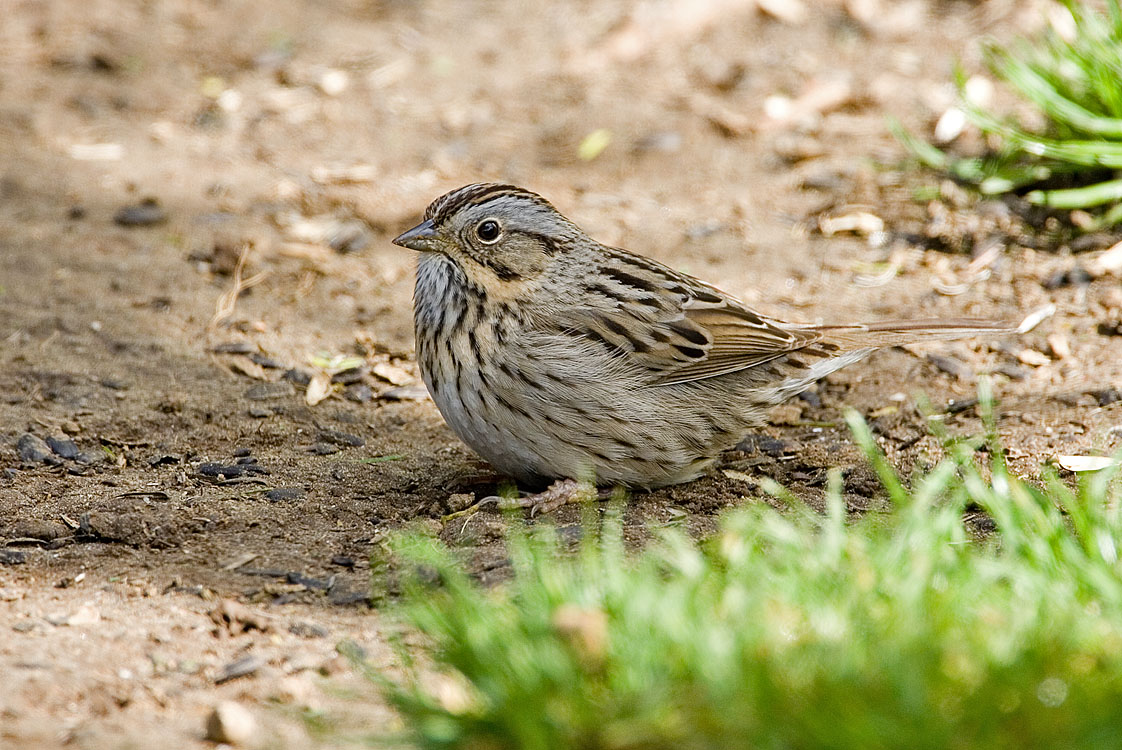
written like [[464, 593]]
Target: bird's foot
[[553, 497], [561, 492]]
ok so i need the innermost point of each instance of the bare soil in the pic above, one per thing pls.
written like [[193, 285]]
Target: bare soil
[[300, 137]]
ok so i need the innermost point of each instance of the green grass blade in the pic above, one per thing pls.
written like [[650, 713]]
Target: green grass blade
[[1037, 89], [1083, 197]]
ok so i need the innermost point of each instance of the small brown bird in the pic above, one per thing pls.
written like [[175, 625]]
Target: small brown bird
[[558, 358]]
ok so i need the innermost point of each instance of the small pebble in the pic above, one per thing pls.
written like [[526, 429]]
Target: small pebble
[[323, 449], [957, 406], [267, 362], [1012, 371], [32, 448], [307, 630], [346, 598], [213, 469], [259, 413], [233, 347], [243, 667], [765, 444], [1106, 396], [337, 437], [12, 556], [31, 528], [348, 376], [951, 366], [265, 391], [280, 494], [811, 398], [666, 141], [406, 393], [63, 447], [297, 376], [349, 237], [144, 214], [360, 393], [1076, 276], [232, 724], [308, 582]]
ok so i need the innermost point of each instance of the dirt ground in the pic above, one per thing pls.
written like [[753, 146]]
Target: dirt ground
[[146, 148]]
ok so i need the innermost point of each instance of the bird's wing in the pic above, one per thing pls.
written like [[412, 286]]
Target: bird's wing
[[675, 327]]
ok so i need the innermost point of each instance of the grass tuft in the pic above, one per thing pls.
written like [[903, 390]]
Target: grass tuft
[[791, 629], [1074, 79]]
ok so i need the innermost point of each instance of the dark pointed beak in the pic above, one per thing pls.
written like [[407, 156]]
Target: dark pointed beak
[[420, 238]]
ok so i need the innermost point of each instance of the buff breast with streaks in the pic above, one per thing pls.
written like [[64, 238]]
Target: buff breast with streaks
[[554, 356]]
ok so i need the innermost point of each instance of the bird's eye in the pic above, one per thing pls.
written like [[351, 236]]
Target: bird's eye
[[488, 230]]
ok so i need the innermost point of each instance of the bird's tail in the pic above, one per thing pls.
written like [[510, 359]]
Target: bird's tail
[[851, 343], [897, 332]]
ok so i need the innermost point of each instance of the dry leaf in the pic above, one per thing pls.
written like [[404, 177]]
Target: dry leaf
[[248, 368], [392, 373], [318, 389], [1084, 463], [1060, 346], [1035, 318], [820, 96]]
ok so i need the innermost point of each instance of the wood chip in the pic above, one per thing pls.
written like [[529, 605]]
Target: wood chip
[[1033, 358], [858, 222], [1110, 262], [392, 373], [820, 96]]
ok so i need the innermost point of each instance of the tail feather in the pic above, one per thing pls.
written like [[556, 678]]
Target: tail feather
[[897, 332], [859, 340]]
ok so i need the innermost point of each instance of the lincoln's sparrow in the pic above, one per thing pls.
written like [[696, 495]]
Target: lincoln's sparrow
[[555, 357]]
